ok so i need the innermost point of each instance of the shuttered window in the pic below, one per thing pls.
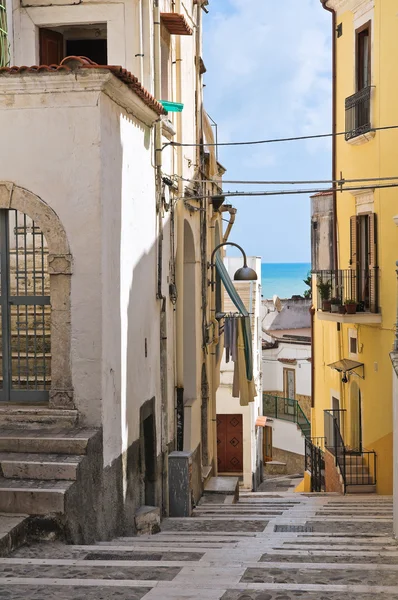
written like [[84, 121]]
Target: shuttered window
[[363, 260], [51, 47]]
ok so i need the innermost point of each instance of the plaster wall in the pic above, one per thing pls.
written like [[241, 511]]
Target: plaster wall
[[287, 436], [273, 368], [67, 177]]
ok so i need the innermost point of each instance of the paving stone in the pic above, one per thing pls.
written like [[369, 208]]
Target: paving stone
[[321, 576], [371, 526], [289, 595], [104, 572], [41, 592], [321, 558], [210, 525]]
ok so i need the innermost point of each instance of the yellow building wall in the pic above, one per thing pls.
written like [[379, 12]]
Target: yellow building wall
[[375, 158]]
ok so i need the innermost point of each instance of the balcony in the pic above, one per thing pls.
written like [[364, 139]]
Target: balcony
[[286, 409], [336, 288], [357, 116]]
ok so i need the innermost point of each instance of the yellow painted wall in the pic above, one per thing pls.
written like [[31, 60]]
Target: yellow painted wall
[[376, 158]]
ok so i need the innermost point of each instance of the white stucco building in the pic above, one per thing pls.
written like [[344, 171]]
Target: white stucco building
[[128, 229], [286, 368], [239, 439]]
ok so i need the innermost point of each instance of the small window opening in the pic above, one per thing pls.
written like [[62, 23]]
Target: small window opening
[[82, 40], [353, 345]]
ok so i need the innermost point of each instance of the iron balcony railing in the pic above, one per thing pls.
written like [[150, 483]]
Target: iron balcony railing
[[315, 464], [357, 466], [335, 287], [286, 409], [357, 113]]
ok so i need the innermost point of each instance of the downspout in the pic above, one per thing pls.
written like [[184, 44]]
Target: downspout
[[179, 264], [159, 293], [334, 129], [312, 313], [232, 214]]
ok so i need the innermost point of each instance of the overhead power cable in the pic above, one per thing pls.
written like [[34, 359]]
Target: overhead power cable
[[292, 192], [274, 140], [302, 182]]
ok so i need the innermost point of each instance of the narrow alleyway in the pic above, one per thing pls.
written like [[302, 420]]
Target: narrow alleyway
[[269, 546]]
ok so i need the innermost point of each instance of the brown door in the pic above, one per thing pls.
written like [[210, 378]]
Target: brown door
[[267, 444], [230, 443], [51, 47]]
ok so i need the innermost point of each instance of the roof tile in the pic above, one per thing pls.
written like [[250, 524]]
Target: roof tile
[[73, 63]]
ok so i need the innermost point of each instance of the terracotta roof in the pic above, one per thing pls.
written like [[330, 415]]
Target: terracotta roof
[[288, 361], [176, 24], [73, 63]]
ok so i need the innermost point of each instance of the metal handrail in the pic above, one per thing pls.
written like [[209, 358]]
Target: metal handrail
[[357, 111], [337, 286], [286, 409]]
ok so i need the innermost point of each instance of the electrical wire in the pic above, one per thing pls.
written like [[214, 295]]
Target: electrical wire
[[301, 182], [275, 140], [292, 192]]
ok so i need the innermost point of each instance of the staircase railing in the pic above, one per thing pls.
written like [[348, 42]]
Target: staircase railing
[[286, 409], [357, 467], [315, 464]]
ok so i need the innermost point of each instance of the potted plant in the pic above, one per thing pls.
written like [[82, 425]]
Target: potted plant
[[350, 306], [342, 309], [324, 288], [335, 303]]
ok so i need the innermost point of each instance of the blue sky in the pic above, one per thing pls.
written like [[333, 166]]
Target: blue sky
[[269, 75]]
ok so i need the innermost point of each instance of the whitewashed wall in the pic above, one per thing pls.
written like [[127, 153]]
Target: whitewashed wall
[[287, 436], [273, 368]]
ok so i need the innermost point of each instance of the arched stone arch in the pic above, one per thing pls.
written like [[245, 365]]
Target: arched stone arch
[[60, 271]]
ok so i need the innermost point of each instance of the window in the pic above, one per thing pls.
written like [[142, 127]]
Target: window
[[83, 40], [352, 343], [289, 383], [363, 261], [363, 57]]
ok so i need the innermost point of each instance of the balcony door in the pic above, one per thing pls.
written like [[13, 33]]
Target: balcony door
[[363, 57], [363, 261]]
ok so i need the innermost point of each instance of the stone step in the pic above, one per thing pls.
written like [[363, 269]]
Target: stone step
[[22, 417], [227, 486], [15, 465], [32, 497], [47, 441], [361, 489], [275, 467]]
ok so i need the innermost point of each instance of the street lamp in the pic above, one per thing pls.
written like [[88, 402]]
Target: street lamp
[[245, 273]]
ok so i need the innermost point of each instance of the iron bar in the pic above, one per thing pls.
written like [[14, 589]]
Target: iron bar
[[357, 113]]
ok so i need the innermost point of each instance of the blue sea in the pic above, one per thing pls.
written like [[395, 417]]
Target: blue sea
[[284, 279]]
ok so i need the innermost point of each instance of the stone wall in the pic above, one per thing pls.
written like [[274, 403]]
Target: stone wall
[[294, 462], [304, 401], [332, 475]]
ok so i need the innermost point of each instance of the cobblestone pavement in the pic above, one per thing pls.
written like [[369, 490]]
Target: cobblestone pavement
[[269, 546]]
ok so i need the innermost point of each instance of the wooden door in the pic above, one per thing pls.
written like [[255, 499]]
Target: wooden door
[[51, 47], [230, 443], [289, 383], [267, 441]]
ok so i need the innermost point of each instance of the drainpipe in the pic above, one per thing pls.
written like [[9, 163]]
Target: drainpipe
[[312, 313], [232, 213], [159, 293], [179, 262], [334, 129]]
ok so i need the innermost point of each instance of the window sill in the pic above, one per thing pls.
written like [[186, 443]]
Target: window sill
[[361, 139]]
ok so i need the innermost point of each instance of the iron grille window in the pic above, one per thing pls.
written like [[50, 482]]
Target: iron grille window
[[357, 113], [4, 54]]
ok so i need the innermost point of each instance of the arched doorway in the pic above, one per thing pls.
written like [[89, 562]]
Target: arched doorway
[[355, 418], [25, 310], [190, 341], [35, 303]]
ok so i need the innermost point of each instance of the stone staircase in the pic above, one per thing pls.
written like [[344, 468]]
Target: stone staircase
[[357, 475], [40, 469]]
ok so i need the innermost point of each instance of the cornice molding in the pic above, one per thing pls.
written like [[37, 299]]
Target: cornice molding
[[341, 6]]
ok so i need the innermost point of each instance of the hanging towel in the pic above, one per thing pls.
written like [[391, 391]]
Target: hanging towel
[[227, 338], [247, 390]]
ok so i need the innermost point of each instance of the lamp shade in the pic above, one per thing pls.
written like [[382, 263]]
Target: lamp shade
[[245, 273]]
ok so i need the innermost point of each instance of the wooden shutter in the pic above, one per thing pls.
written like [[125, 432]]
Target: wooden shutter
[[373, 266], [51, 47], [352, 286]]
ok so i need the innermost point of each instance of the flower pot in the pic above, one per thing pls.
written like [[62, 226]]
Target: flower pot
[[342, 309], [351, 309], [326, 304], [334, 308]]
